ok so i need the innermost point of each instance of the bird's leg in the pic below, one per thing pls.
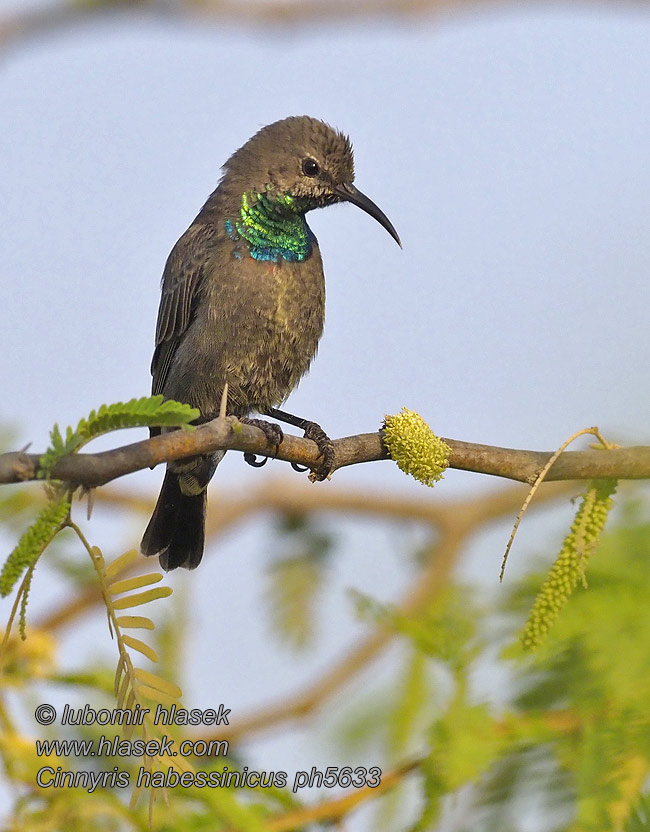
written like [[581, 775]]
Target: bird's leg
[[314, 432], [273, 434]]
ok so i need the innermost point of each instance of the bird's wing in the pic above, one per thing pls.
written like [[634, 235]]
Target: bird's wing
[[182, 284]]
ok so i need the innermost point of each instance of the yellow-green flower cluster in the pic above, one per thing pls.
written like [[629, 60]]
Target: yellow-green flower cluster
[[569, 568], [33, 542], [414, 447]]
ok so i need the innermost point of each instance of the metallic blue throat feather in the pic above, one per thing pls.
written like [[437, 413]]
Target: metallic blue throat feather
[[273, 228]]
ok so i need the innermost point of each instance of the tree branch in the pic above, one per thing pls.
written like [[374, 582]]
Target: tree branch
[[47, 19], [50, 18], [92, 470]]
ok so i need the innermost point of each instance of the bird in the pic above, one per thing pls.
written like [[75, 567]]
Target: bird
[[243, 304]]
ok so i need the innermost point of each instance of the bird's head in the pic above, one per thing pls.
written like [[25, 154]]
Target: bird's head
[[300, 163]]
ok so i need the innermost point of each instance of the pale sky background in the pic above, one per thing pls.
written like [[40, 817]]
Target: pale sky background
[[509, 147]]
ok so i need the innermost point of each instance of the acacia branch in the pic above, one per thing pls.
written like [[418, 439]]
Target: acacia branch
[[92, 470]]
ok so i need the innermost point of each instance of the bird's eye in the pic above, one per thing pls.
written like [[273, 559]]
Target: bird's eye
[[310, 167]]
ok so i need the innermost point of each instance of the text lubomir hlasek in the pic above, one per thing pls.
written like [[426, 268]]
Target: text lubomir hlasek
[[135, 716]]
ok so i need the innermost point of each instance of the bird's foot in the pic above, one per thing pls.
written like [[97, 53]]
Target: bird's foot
[[274, 436], [325, 445]]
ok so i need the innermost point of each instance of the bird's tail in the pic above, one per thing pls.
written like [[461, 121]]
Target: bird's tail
[[176, 531]]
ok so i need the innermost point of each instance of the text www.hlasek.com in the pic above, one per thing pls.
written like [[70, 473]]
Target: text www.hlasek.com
[[165, 746], [118, 747]]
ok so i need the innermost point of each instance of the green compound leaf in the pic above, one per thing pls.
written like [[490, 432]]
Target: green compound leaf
[[149, 411], [569, 568], [33, 542], [415, 448]]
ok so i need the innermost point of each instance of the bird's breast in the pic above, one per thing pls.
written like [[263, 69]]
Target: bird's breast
[[291, 306], [265, 319]]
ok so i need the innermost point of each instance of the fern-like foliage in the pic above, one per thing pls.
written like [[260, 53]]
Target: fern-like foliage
[[463, 742], [31, 545], [149, 411], [136, 687]]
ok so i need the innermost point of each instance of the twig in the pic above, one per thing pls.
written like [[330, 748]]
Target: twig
[[541, 476]]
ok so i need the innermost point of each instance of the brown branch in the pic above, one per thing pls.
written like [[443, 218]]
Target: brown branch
[[92, 470]]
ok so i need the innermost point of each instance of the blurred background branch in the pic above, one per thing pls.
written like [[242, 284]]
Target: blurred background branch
[[451, 523], [42, 20]]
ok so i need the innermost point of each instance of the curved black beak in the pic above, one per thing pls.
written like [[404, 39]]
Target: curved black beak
[[348, 193]]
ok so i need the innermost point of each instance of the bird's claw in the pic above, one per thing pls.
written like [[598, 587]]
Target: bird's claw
[[325, 445], [251, 459]]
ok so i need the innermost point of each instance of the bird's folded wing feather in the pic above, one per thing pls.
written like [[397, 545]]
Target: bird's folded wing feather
[[181, 290]]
